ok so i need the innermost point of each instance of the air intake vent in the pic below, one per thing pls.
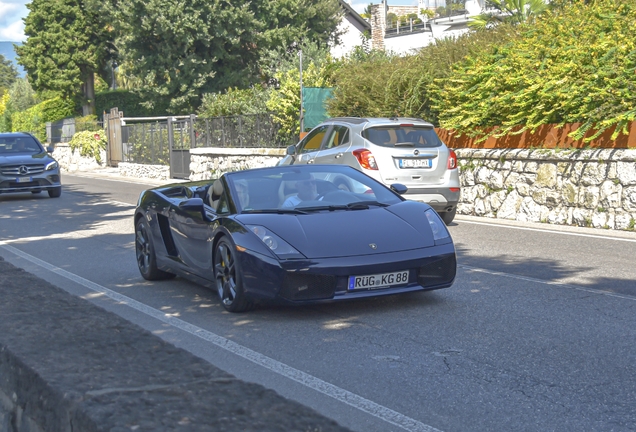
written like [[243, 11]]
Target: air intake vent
[[298, 286], [438, 272]]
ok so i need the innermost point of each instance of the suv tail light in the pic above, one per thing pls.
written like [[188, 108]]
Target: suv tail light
[[366, 159], [452, 159]]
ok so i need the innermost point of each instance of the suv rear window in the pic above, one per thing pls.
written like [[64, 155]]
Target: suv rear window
[[412, 136]]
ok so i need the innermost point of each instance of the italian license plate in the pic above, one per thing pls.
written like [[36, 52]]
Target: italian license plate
[[23, 179], [376, 281], [415, 163]]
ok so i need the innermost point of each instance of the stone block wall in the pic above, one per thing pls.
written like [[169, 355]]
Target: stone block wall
[[595, 188], [71, 160], [208, 163]]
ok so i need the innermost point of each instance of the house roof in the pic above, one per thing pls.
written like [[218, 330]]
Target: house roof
[[354, 17]]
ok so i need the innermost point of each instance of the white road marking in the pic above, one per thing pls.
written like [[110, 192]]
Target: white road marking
[[546, 282], [381, 412], [549, 231]]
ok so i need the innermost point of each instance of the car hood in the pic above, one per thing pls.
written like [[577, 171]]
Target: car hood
[[25, 158], [348, 233]]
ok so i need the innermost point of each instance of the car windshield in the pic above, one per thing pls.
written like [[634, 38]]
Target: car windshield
[[301, 189], [403, 135], [19, 145]]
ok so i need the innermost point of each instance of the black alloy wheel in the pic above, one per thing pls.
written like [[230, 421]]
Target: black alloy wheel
[[228, 277], [145, 251]]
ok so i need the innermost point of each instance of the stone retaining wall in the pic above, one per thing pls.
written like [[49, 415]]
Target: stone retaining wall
[[207, 163], [595, 188], [71, 160]]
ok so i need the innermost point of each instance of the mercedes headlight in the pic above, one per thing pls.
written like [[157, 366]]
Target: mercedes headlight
[[51, 166]]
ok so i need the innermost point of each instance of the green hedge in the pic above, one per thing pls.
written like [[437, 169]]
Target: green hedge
[[131, 103], [35, 118]]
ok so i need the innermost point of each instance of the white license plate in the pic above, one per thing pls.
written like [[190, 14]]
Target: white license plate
[[23, 179], [378, 280], [415, 163]]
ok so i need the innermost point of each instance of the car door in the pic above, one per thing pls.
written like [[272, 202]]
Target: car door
[[334, 146], [191, 234], [308, 148]]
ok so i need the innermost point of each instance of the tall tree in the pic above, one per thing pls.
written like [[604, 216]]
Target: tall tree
[[67, 43], [293, 22], [182, 51], [8, 74]]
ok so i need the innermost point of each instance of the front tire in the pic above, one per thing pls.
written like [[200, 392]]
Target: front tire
[[448, 217], [228, 278], [55, 192], [145, 251]]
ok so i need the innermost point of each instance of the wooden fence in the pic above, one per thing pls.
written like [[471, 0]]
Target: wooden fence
[[547, 136]]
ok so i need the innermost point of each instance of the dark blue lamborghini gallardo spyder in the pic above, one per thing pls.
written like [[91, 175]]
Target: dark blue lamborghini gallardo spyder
[[296, 234]]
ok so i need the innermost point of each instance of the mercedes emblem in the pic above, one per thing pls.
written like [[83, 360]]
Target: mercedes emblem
[[23, 170], [416, 152]]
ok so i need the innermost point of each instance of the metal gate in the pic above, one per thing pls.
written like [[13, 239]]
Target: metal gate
[[181, 136]]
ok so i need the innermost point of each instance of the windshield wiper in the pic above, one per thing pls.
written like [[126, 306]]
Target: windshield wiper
[[276, 211], [357, 205], [372, 203]]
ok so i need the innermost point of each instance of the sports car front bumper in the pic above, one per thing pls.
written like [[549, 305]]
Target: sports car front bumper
[[300, 281]]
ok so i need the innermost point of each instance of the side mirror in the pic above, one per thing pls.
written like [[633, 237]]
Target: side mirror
[[291, 150], [50, 149], [399, 188], [192, 204]]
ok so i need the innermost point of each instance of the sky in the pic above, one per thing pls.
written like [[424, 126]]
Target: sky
[[13, 11]]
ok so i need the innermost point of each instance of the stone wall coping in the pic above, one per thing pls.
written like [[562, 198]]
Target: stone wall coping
[[550, 155], [234, 151]]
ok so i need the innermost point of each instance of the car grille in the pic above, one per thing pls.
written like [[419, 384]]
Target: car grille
[[14, 170], [439, 272], [297, 286]]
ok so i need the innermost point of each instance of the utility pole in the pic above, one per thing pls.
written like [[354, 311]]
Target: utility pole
[[302, 116]]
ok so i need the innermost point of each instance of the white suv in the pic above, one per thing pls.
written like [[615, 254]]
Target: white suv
[[391, 150]]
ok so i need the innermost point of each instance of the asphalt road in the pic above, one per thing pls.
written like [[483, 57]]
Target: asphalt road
[[538, 333]]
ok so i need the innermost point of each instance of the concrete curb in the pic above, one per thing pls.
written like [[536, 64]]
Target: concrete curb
[[68, 365]]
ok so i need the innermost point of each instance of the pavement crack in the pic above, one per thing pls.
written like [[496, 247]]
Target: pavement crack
[[102, 392]]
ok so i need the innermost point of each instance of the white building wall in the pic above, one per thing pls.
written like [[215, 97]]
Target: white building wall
[[407, 43], [351, 37]]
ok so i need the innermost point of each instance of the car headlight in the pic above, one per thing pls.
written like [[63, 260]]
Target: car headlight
[[276, 244], [51, 166], [437, 225]]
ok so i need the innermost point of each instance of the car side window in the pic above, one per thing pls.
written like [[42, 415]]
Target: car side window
[[339, 136], [222, 206], [313, 140]]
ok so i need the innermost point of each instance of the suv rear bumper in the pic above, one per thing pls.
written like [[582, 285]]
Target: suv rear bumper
[[442, 200]]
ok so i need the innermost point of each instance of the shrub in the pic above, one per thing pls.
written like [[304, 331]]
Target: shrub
[[285, 102], [89, 143], [234, 102], [573, 66], [377, 84]]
